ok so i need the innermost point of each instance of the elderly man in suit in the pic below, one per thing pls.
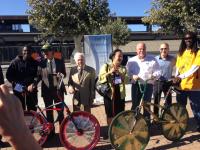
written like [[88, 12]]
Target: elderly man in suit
[[82, 84], [50, 82]]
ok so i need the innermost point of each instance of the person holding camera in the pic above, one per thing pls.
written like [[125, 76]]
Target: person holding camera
[[116, 76]]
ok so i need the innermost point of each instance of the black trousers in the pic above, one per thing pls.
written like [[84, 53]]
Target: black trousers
[[50, 98], [159, 87], [30, 101], [115, 105]]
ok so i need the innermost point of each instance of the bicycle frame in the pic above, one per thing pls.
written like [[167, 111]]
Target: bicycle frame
[[146, 105], [51, 108]]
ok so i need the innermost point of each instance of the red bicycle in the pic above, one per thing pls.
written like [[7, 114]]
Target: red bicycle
[[80, 130]]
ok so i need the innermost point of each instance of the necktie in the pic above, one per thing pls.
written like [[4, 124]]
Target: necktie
[[80, 71], [50, 74]]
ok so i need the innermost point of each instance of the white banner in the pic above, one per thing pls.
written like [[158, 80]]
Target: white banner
[[97, 49]]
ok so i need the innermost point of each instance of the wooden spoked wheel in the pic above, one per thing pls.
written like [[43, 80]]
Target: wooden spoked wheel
[[127, 132], [175, 120]]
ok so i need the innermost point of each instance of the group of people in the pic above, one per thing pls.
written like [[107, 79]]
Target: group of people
[[156, 71], [25, 72]]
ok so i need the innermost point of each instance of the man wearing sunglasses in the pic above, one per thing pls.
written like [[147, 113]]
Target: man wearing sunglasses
[[188, 74], [166, 63]]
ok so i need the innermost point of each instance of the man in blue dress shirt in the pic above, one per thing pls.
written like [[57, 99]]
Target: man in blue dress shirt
[[166, 63]]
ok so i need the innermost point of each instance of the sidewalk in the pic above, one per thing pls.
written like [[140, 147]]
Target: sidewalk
[[190, 141]]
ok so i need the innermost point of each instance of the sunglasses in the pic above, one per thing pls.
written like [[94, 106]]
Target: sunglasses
[[163, 48], [188, 38]]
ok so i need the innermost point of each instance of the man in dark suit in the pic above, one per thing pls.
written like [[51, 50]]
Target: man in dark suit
[[82, 84], [50, 82]]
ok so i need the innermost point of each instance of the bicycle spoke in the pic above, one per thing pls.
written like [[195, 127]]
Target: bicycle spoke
[[129, 141], [82, 133], [179, 113], [119, 131], [123, 122], [183, 118], [174, 122], [35, 123]]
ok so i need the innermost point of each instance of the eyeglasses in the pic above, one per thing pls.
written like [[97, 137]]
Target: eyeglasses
[[188, 38]]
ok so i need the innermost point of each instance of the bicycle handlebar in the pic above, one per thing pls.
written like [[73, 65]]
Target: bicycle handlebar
[[60, 76]]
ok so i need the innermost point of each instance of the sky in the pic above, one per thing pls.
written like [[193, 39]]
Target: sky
[[120, 7]]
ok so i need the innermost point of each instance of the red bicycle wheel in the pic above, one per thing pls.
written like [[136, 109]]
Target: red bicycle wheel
[[88, 135], [35, 123]]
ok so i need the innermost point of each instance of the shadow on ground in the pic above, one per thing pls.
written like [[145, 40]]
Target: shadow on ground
[[104, 143]]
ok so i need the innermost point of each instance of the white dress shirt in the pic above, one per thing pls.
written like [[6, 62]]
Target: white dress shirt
[[145, 68]]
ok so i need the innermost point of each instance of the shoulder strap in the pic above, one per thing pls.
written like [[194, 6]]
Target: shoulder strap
[[106, 67]]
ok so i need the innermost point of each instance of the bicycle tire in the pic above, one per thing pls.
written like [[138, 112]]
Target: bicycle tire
[[175, 121], [120, 134], [74, 140], [35, 123]]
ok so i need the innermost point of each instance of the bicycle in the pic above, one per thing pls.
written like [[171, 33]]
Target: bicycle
[[80, 130], [129, 130]]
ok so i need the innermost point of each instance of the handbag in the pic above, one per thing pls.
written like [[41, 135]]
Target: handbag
[[103, 88]]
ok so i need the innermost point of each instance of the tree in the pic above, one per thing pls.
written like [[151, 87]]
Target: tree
[[62, 18], [119, 30], [176, 16]]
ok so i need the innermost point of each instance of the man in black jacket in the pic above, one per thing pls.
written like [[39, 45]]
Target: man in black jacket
[[23, 71], [50, 82]]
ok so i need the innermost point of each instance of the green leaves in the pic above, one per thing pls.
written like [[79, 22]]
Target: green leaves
[[68, 17], [119, 30], [175, 16]]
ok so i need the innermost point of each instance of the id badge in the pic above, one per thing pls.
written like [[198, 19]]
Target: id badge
[[18, 88], [118, 80]]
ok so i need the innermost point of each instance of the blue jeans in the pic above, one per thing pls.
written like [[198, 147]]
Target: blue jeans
[[137, 95], [194, 97]]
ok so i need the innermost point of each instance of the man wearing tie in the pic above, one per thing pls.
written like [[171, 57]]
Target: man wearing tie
[[82, 84], [50, 81]]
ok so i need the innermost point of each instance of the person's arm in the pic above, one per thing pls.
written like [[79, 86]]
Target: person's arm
[[156, 70], [188, 73], [12, 123], [93, 75], [1, 76], [11, 72], [103, 73], [71, 89], [63, 70]]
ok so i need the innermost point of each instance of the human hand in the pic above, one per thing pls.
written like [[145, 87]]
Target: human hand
[[31, 87], [71, 90], [12, 123], [135, 77], [176, 80]]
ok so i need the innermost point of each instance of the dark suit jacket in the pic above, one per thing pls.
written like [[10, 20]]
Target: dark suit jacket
[[1, 76], [85, 87], [60, 67]]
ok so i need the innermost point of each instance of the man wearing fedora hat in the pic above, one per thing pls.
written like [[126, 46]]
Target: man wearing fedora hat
[[50, 82]]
